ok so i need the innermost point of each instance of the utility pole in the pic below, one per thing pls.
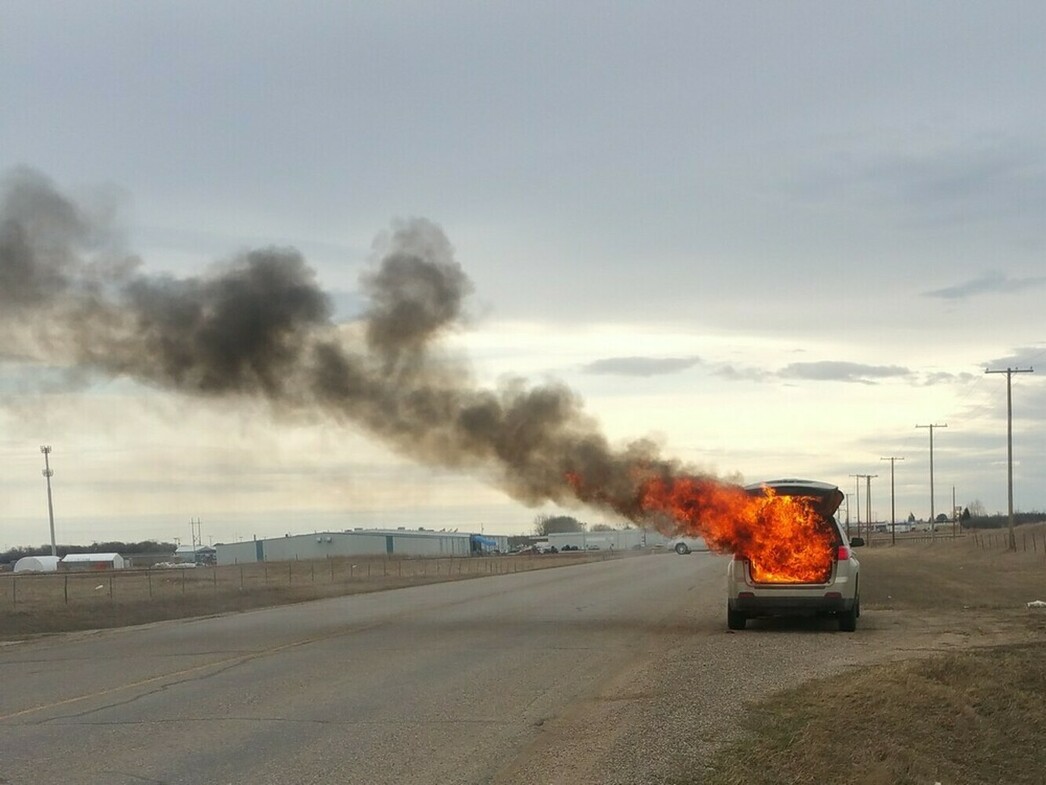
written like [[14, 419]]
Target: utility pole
[[868, 501], [847, 514], [955, 514], [197, 536], [48, 474], [893, 508], [1009, 441], [868, 504], [857, 500], [933, 519]]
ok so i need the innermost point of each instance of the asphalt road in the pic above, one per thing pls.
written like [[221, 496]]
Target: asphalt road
[[610, 672], [448, 683]]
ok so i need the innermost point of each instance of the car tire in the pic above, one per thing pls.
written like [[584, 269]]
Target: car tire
[[735, 620], [848, 619], [682, 549]]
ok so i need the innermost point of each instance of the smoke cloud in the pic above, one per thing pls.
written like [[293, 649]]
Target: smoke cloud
[[258, 325]]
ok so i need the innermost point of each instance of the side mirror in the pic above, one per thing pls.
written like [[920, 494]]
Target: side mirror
[[857, 542]]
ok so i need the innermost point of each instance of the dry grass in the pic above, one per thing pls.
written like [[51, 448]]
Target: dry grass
[[970, 573], [63, 602], [974, 717]]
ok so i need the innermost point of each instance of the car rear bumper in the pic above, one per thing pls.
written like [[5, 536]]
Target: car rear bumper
[[770, 606]]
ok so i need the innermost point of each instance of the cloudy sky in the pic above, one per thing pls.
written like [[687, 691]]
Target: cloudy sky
[[772, 237]]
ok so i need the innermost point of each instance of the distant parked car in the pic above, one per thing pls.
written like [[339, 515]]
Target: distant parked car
[[685, 545], [836, 594]]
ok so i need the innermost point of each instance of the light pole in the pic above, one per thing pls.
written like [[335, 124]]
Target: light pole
[[48, 474]]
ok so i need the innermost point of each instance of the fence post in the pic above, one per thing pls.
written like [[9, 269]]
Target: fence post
[[149, 578], [241, 577], [65, 588], [110, 585], [183, 579]]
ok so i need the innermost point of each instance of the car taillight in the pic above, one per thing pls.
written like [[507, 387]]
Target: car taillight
[[843, 553]]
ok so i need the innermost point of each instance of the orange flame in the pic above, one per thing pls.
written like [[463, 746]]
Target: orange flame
[[784, 537]]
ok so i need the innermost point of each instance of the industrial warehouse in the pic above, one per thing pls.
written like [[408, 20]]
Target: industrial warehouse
[[408, 543], [359, 542]]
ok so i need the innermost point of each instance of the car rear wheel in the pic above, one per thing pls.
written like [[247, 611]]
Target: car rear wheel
[[735, 620], [681, 548], [848, 619]]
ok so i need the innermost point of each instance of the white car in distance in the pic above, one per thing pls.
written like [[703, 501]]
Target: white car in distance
[[685, 545]]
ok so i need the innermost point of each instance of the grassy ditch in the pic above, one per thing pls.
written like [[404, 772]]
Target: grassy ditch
[[974, 716], [63, 602]]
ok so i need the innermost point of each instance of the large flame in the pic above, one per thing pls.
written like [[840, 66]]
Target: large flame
[[784, 537]]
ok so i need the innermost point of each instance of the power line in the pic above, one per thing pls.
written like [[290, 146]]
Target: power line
[[1009, 441]]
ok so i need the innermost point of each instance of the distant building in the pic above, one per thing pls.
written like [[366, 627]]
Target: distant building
[[92, 561], [201, 554], [359, 542], [617, 540], [37, 564]]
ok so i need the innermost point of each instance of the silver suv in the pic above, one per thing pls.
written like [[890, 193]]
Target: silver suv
[[835, 592]]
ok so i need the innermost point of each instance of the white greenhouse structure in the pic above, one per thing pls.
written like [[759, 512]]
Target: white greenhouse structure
[[37, 564]]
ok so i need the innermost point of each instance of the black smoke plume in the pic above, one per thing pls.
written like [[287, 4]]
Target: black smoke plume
[[258, 325]]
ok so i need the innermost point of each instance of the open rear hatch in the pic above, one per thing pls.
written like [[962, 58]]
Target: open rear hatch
[[808, 554]]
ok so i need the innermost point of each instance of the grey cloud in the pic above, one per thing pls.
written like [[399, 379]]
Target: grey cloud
[[993, 282], [988, 185], [1023, 357], [942, 377], [640, 366], [735, 374], [838, 371]]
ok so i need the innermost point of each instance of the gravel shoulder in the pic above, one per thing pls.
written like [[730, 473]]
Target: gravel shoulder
[[660, 720]]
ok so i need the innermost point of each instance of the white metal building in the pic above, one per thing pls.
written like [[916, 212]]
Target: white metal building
[[92, 561], [358, 542]]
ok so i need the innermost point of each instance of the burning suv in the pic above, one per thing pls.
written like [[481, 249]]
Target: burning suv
[[799, 561]]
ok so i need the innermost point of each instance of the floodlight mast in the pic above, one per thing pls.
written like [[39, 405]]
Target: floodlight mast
[[48, 474]]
